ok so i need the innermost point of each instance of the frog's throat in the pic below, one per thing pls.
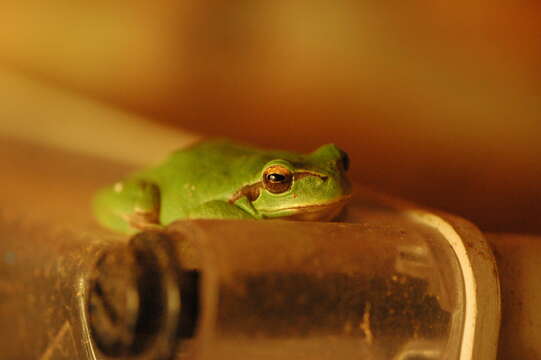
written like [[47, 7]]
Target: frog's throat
[[252, 191]]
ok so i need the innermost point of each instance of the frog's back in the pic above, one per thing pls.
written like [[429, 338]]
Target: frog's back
[[224, 156], [213, 152], [215, 156]]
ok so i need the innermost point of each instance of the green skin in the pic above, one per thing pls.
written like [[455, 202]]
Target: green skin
[[222, 180]]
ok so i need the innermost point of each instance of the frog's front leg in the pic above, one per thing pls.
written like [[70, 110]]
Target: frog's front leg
[[128, 206], [218, 209]]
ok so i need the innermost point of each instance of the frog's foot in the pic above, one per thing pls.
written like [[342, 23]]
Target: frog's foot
[[144, 220]]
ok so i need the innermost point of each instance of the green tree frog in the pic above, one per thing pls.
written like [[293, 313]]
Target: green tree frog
[[219, 179]]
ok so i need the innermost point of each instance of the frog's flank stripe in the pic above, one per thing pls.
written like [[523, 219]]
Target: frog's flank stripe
[[300, 174]]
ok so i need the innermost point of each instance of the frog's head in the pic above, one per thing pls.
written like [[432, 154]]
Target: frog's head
[[304, 187]]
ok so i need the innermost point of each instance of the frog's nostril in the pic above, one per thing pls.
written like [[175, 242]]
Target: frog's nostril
[[324, 178]]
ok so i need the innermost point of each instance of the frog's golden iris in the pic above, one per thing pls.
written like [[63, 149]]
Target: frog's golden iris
[[277, 179]]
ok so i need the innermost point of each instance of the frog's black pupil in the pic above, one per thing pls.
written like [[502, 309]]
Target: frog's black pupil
[[276, 177], [345, 161]]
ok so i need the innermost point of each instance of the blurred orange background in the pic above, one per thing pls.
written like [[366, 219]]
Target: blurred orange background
[[437, 102]]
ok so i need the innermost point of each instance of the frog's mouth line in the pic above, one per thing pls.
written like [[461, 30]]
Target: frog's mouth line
[[322, 212]]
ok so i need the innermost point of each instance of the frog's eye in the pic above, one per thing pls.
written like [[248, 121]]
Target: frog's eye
[[277, 179], [344, 158]]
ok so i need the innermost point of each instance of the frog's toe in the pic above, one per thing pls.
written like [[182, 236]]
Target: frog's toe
[[144, 220]]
